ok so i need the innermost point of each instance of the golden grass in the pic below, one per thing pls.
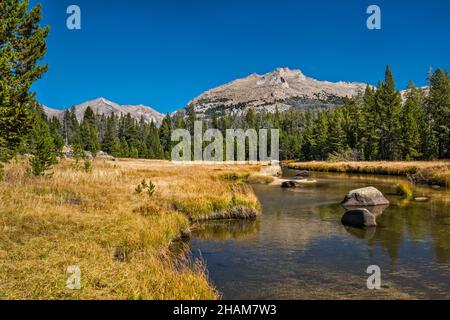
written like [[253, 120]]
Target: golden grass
[[432, 172], [119, 239]]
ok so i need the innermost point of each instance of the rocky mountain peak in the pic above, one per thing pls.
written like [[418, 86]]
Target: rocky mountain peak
[[283, 88], [103, 106]]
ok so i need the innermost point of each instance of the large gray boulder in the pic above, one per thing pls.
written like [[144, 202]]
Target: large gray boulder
[[359, 218], [273, 170], [369, 196]]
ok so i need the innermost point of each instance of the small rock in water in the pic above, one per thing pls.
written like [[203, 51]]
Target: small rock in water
[[435, 186], [288, 184], [421, 199], [302, 174], [359, 218], [369, 196]]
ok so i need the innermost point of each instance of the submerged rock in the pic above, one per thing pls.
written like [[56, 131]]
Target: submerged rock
[[288, 184], [359, 218], [369, 196]]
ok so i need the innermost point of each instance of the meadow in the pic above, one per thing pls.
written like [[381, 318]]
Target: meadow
[[427, 172], [121, 239]]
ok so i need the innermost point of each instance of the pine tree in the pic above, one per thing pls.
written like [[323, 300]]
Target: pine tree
[[154, 144], [411, 118], [70, 126], [89, 137], [109, 135], [165, 136], [55, 130], [250, 119], [89, 117], [116, 148], [438, 112], [320, 136], [124, 148], [42, 146], [22, 45], [388, 103], [336, 133], [134, 153], [191, 118]]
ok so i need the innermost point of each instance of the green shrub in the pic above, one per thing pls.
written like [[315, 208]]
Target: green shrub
[[149, 188]]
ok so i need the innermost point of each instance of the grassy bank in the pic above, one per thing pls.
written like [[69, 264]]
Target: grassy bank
[[118, 238], [431, 172]]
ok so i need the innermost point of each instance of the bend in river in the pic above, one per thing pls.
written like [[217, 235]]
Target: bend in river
[[299, 249]]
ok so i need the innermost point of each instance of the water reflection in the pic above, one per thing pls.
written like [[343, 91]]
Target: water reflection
[[225, 230], [361, 233], [298, 248]]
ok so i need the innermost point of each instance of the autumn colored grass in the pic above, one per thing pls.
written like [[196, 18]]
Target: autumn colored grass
[[430, 172], [120, 239]]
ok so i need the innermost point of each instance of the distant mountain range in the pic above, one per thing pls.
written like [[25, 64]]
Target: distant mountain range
[[106, 107], [282, 88]]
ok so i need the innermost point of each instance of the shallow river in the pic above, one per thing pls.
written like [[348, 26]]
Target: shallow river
[[298, 248]]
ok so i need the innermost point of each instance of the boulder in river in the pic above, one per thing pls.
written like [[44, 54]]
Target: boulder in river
[[272, 170], [359, 218], [302, 174], [369, 196], [375, 210], [288, 184]]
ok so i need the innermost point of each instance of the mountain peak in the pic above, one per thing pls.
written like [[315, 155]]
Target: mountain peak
[[103, 106], [283, 87], [285, 71]]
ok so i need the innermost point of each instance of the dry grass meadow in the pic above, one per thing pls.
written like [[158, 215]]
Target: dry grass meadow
[[118, 238], [431, 172]]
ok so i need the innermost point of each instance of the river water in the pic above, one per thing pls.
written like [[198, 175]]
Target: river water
[[299, 249]]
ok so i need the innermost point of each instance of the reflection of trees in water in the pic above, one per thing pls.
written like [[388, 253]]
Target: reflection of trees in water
[[441, 240], [418, 221]]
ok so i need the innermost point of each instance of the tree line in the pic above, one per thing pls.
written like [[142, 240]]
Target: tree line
[[380, 124]]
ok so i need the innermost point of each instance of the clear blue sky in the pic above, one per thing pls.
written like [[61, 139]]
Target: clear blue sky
[[163, 53]]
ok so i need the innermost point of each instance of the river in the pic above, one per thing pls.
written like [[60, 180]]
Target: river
[[299, 249]]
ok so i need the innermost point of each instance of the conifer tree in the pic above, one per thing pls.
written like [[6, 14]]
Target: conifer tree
[[55, 131], [22, 45], [124, 148], [438, 111], [336, 133], [411, 118], [388, 103], [42, 146], [109, 135], [116, 148], [320, 136], [165, 136]]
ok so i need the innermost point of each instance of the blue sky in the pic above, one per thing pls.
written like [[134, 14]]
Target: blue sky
[[163, 53]]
